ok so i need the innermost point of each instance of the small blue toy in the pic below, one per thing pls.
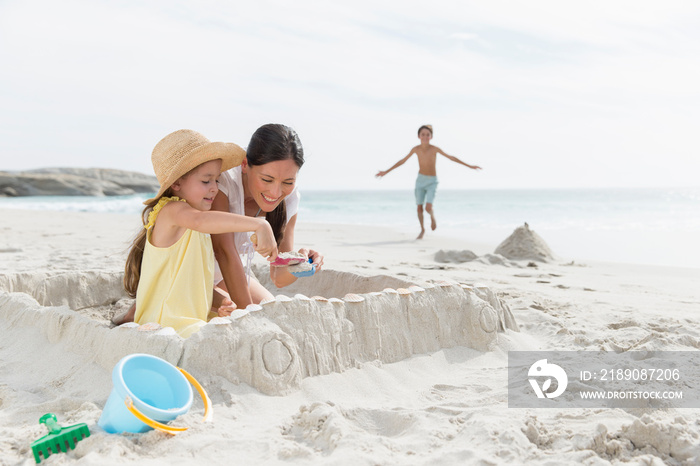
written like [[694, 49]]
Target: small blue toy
[[306, 271]]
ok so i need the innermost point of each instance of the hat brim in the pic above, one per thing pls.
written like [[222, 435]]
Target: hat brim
[[231, 155]]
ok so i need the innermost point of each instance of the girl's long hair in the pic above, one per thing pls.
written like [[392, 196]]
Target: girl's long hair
[[270, 143], [132, 269]]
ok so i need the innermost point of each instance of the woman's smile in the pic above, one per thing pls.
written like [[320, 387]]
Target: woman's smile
[[270, 200]]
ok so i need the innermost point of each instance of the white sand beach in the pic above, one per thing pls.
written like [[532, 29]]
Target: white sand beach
[[426, 392]]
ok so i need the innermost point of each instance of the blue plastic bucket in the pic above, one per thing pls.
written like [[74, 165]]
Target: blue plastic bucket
[[159, 391]]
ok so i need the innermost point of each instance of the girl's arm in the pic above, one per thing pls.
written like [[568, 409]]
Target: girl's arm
[[397, 164], [182, 215], [455, 159]]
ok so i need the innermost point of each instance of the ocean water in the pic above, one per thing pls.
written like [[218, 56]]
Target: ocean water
[[643, 226]]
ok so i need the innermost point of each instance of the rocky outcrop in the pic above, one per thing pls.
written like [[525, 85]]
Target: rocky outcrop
[[75, 182]]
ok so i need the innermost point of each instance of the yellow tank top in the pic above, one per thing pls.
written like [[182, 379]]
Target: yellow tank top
[[177, 282]]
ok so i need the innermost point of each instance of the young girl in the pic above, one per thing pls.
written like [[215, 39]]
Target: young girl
[[170, 268]]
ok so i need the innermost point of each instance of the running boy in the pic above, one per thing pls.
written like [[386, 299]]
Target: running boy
[[427, 182]]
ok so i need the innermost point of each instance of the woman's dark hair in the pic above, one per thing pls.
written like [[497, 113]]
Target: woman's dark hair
[[271, 143]]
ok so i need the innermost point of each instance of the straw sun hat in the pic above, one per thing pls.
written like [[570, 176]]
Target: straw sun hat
[[181, 151]]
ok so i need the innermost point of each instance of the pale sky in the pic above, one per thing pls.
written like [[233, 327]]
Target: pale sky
[[541, 94]]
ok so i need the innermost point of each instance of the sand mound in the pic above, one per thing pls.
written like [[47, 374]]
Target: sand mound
[[455, 256], [465, 255], [525, 244]]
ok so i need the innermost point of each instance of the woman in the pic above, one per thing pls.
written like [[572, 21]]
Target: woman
[[263, 185]]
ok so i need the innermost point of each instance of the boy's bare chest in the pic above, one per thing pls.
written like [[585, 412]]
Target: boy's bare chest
[[426, 154]]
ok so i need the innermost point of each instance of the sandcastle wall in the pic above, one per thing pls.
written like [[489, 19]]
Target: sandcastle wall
[[274, 345]]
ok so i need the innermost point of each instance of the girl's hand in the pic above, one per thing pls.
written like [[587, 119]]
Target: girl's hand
[[221, 302], [226, 308], [315, 256], [264, 241]]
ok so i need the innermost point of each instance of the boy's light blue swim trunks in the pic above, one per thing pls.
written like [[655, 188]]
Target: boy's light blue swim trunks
[[425, 189]]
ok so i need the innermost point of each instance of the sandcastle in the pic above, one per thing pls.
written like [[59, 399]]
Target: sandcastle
[[343, 320]]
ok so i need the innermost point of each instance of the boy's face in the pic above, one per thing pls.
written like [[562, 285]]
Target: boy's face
[[425, 135]]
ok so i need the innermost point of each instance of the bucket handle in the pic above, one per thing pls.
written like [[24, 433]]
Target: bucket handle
[[164, 427]]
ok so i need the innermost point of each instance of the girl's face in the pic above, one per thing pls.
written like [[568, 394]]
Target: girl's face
[[270, 183], [199, 187], [425, 135]]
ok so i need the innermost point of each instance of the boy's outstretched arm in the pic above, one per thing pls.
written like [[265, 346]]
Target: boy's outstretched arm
[[397, 164], [455, 159]]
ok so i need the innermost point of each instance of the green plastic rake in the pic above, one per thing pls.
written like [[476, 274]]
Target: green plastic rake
[[59, 439]]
